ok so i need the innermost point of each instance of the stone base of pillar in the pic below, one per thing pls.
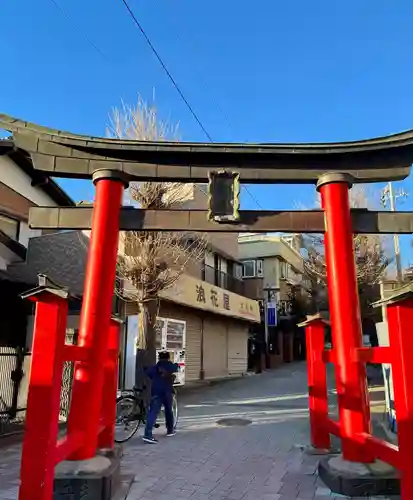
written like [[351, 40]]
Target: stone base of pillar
[[98, 478], [354, 479], [310, 450]]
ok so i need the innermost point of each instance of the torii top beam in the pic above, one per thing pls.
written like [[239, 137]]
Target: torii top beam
[[61, 154]]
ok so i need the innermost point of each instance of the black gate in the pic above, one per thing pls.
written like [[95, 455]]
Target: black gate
[[14, 372]]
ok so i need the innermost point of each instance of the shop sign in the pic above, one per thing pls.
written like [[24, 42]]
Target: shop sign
[[202, 295]]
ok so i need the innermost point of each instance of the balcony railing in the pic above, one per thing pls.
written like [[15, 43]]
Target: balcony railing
[[223, 280]]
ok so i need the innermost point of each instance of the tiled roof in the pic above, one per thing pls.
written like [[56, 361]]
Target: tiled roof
[[60, 256]]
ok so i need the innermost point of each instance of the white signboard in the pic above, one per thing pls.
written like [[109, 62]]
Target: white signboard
[[383, 337], [130, 354], [170, 336]]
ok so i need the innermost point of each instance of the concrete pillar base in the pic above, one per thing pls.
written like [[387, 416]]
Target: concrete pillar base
[[95, 479], [353, 479], [310, 450]]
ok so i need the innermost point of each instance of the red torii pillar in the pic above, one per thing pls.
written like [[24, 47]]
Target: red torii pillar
[[344, 307], [110, 386], [400, 320], [42, 416], [317, 381], [95, 317]]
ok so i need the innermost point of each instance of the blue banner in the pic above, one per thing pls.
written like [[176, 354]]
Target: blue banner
[[272, 314]]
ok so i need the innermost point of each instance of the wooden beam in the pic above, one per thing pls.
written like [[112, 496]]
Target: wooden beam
[[310, 221]]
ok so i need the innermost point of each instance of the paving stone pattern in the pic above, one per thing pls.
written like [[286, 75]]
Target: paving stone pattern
[[260, 461]]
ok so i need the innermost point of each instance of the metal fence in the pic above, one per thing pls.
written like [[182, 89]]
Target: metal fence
[[14, 379], [67, 378], [14, 387], [66, 390]]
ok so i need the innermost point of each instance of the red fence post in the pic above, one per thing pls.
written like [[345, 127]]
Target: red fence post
[[317, 383], [400, 321], [107, 437], [96, 310], [43, 404], [344, 305]]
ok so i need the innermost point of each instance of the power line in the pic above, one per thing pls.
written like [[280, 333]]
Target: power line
[[103, 55], [161, 62], [69, 17], [253, 197], [205, 84]]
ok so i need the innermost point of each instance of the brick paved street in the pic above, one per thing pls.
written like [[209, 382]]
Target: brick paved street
[[260, 461]]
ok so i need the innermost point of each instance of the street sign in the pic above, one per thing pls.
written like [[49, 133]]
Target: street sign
[[272, 314]]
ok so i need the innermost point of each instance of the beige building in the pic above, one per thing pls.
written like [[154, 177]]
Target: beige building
[[205, 316], [208, 322], [273, 272], [272, 262], [208, 307]]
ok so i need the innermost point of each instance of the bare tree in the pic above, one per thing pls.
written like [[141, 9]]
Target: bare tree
[[371, 254], [151, 261]]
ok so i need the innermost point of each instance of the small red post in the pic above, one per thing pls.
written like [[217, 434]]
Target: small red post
[[317, 384], [351, 377], [96, 310], [43, 404], [400, 321], [107, 437]]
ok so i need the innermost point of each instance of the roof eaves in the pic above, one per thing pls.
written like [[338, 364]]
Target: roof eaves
[[46, 183], [13, 245]]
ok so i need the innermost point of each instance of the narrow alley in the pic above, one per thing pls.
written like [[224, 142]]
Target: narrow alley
[[259, 457]]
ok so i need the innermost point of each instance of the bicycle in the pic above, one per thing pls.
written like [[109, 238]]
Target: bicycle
[[131, 412]]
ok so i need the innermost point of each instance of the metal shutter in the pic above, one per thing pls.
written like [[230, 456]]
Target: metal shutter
[[215, 348], [237, 348]]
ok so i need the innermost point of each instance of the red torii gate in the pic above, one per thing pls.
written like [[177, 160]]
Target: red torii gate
[[112, 163]]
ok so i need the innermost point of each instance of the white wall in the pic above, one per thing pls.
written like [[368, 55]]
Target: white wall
[[254, 247], [271, 267], [13, 177], [25, 233], [3, 263], [7, 256], [130, 351]]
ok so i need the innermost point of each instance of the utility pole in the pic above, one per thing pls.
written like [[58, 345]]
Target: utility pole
[[389, 197]]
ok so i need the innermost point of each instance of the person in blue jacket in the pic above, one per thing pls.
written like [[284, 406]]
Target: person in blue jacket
[[162, 377]]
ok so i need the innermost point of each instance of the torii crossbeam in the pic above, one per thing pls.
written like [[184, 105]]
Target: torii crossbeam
[[112, 163], [62, 154], [135, 219]]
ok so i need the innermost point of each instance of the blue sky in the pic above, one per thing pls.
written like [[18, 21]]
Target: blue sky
[[253, 71]]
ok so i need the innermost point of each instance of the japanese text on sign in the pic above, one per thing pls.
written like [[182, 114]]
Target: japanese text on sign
[[214, 298]]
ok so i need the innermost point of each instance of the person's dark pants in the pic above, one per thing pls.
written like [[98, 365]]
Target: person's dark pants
[[156, 404]]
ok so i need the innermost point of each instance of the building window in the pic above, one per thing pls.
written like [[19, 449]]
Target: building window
[[248, 269], [9, 226], [252, 269]]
